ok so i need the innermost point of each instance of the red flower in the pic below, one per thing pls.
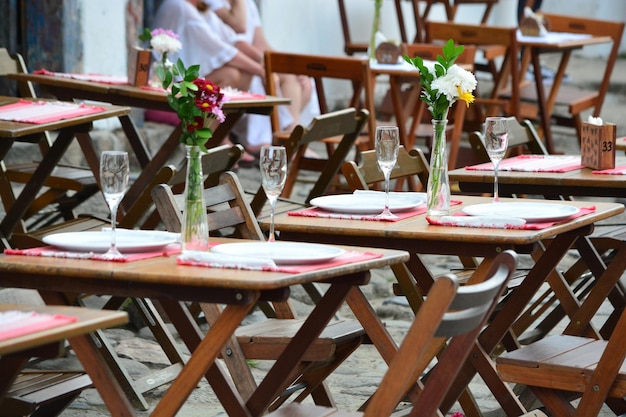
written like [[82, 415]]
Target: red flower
[[209, 97]]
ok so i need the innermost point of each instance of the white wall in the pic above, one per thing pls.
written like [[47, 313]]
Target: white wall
[[104, 36]]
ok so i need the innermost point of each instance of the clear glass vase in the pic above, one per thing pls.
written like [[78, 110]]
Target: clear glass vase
[[195, 227], [438, 190]]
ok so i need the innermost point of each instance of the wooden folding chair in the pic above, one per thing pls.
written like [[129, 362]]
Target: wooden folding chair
[[561, 368], [574, 99], [326, 71], [344, 124], [442, 334], [264, 340], [350, 47], [507, 80], [67, 188]]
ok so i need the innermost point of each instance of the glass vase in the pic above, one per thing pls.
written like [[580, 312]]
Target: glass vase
[[155, 81], [195, 226], [438, 190]]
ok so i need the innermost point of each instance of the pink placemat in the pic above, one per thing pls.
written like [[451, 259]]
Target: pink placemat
[[317, 212], [50, 251], [347, 258], [100, 78], [242, 95], [621, 170], [38, 112], [534, 163], [528, 226], [19, 323]]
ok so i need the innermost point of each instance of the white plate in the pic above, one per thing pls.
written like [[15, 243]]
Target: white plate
[[369, 202], [531, 212], [127, 241], [282, 253]]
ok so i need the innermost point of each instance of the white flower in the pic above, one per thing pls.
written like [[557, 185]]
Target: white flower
[[165, 43], [454, 81]]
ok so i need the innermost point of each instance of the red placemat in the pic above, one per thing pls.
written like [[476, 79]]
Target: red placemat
[[621, 170], [38, 112], [19, 323], [534, 163], [528, 226], [100, 78], [50, 251]]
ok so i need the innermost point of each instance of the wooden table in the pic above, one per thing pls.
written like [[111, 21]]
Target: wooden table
[[15, 352], [162, 279], [10, 132], [145, 98], [415, 235], [533, 48], [580, 182]]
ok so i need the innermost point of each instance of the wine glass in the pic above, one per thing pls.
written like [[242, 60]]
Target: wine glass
[[273, 163], [114, 171], [496, 142], [387, 143]]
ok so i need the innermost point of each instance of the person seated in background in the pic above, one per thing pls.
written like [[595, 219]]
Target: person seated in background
[[244, 18]]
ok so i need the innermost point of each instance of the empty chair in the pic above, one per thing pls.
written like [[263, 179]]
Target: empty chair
[[442, 334], [346, 125], [561, 368]]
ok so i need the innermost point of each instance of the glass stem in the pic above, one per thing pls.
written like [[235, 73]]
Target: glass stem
[[495, 182], [113, 222], [387, 175], [271, 237]]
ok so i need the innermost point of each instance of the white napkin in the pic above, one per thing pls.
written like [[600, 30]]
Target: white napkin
[[483, 221], [218, 260]]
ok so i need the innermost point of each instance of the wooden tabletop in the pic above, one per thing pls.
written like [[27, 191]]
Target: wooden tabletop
[[10, 129], [579, 182], [129, 95], [88, 320], [416, 232]]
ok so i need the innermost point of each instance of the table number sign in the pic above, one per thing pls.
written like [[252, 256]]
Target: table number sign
[[597, 145], [139, 66]]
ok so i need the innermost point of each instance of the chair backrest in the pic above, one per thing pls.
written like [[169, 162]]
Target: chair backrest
[[523, 139], [226, 208], [346, 123], [419, 18], [612, 29], [367, 174], [483, 35], [350, 47], [15, 64], [324, 69], [446, 326]]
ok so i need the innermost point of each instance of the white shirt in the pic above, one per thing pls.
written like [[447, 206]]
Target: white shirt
[[206, 40]]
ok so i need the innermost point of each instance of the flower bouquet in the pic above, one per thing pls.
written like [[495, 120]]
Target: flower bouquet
[[162, 42], [443, 83], [198, 104]]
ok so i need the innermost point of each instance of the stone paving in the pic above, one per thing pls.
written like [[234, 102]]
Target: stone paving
[[357, 378]]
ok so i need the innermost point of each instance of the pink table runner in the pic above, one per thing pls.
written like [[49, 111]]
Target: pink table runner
[[534, 163], [317, 212], [100, 78], [50, 251], [621, 170], [38, 112], [528, 226], [19, 323], [346, 258]]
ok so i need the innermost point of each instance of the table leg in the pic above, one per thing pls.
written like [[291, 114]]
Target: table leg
[[203, 357], [544, 112], [479, 361]]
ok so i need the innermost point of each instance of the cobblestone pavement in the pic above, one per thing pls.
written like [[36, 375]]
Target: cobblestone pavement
[[357, 378]]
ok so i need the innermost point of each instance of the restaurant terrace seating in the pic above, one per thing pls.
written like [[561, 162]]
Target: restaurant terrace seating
[[442, 334], [68, 187], [265, 340]]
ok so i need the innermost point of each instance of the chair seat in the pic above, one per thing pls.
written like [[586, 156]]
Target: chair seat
[[68, 177], [43, 390], [574, 357], [307, 410], [262, 340]]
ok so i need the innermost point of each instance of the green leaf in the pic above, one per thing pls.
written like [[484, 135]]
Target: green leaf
[[146, 35]]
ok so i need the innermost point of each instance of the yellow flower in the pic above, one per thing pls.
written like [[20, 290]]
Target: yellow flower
[[466, 96]]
